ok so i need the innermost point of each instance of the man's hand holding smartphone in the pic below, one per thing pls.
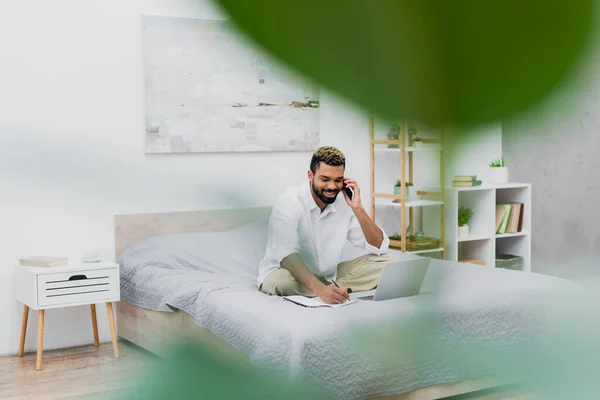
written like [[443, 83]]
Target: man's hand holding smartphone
[[351, 193]]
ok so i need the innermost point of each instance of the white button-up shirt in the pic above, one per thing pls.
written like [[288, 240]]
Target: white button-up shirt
[[297, 225]]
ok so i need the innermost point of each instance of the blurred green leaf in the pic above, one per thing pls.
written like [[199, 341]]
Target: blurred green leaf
[[456, 63], [194, 372]]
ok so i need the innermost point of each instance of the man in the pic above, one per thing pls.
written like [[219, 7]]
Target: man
[[308, 228]]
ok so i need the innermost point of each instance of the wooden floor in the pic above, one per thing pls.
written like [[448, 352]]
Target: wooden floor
[[80, 373], [92, 373]]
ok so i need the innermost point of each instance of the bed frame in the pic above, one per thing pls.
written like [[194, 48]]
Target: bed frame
[[156, 330]]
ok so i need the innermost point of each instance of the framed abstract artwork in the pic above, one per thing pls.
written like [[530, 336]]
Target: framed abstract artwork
[[209, 89]]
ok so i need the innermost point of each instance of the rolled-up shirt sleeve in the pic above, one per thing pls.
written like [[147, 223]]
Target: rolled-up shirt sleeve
[[283, 229], [357, 238]]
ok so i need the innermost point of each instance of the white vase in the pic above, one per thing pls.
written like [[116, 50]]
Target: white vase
[[463, 231], [417, 144], [498, 175]]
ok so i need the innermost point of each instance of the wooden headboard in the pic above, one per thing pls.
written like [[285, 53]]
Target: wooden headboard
[[132, 228]]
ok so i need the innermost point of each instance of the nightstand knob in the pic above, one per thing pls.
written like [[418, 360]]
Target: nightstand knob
[[77, 277]]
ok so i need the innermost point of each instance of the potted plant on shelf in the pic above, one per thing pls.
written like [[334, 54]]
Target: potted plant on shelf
[[417, 141], [409, 189], [498, 171], [464, 216], [394, 134]]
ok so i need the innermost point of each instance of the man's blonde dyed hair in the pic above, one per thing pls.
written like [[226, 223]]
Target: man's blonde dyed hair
[[329, 155]]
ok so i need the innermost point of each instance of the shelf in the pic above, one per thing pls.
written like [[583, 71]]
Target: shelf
[[397, 244], [426, 251], [507, 235], [396, 150], [472, 238], [404, 148], [488, 186], [483, 242], [412, 203]]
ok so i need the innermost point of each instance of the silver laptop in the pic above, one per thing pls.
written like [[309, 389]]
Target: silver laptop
[[398, 279]]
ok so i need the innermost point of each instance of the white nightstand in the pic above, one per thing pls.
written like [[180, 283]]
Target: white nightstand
[[75, 284]]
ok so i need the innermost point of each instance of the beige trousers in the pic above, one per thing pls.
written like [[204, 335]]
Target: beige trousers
[[360, 274]]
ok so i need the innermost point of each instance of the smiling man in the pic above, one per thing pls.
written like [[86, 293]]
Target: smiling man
[[308, 229]]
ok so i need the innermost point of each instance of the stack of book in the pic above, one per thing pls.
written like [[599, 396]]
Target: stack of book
[[43, 261], [465, 181], [509, 218]]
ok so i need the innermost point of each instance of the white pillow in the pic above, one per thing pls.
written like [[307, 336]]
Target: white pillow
[[228, 252]]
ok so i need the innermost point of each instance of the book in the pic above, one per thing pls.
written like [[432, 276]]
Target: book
[[515, 219], [500, 213], [508, 208], [315, 302], [466, 183], [43, 261], [464, 178]]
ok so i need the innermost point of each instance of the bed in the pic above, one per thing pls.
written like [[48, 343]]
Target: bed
[[193, 273]]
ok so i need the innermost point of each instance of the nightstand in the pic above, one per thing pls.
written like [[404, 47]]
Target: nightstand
[[75, 284]]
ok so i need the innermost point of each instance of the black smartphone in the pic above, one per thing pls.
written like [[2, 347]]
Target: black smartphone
[[349, 192]]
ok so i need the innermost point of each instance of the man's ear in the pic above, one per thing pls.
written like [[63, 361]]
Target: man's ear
[[310, 175]]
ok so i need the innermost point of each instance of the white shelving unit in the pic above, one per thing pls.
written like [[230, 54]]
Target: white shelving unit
[[482, 242]]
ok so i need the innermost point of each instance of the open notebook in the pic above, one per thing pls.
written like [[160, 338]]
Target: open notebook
[[315, 302]]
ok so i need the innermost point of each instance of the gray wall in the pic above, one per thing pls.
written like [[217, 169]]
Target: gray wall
[[557, 150]]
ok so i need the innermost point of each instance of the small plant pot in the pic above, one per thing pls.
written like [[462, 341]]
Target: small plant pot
[[409, 191], [463, 232], [417, 144], [498, 175]]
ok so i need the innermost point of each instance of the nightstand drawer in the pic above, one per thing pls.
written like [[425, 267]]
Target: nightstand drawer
[[78, 286]]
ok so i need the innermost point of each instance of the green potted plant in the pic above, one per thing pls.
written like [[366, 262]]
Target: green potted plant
[[498, 172], [409, 189], [394, 134], [464, 216], [417, 141]]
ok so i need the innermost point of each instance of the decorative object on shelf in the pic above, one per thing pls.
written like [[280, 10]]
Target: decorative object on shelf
[[417, 142], [509, 218], [394, 134], [412, 130], [477, 261], [509, 261], [465, 181], [409, 189], [426, 243], [464, 216], [419, 236], [498, 172], [90, 254]]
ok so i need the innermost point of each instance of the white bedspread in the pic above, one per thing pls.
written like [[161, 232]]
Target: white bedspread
[[358, 351]]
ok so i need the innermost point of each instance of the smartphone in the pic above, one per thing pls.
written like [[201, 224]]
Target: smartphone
[[349, 192]]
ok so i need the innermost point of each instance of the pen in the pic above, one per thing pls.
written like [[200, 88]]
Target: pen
[[349, 290]]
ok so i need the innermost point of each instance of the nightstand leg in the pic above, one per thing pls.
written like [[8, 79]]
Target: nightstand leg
[[38, 364], [23, 330], [113, 331], [95, 325]]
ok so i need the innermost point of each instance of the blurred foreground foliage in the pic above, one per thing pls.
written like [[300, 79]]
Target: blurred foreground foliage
[[440, 63], [192, 371]]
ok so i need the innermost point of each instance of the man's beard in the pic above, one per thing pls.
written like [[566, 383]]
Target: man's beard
[[322, 196]]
